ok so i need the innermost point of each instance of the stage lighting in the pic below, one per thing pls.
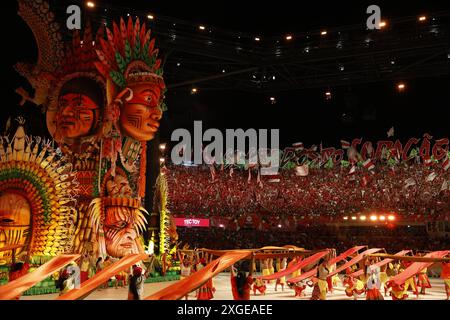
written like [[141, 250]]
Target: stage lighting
[[202, 27], [382, 218], [383, 24], [221, 225], [223, 71], [373, 218], [401, 86], [162, 160], [288, 37], [391, 218], [162, 146], [90, 4], [345, 218], [323, 33], [194, 90], [362, 218], [151, 17], [353, 218], [422, 18], [257, 38], [328, 95], [279, 226]]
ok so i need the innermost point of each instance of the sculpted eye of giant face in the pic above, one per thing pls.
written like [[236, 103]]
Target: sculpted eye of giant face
[[76, 115], [15, 220], [120, 232], [139, 117]]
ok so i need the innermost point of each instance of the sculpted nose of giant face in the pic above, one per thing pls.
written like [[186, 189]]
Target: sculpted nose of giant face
[[156, 114]]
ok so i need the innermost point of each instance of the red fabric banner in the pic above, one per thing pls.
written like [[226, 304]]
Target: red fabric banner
[[355, 260], [90, 285], [304, 276], [22, 284], [415, 268], [295, 267], [380, 264], [345, 254], [196, 280]]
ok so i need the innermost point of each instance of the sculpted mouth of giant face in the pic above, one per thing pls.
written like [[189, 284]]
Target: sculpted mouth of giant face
[[139, 117]]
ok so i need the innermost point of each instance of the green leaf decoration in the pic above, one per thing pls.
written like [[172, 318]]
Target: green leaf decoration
[[118, 78], [159, 72], [121, 62], [127, 52], [144, 51], [137, 48]]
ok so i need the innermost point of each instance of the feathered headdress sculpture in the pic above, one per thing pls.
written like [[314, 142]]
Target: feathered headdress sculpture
[[128, 56]]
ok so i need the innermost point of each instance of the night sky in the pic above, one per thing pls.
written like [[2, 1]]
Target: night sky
[[356, 111]]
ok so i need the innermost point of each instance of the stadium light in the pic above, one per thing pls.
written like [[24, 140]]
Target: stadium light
[[345, 218], [151, 17], [90, 4], [323, 33], [391, 217], [382, 218], [257, 39], [383, 24], [422, 18], [362, 218], [201, 27], [162, 146], [353, 218], [289, 37], [373, 218]]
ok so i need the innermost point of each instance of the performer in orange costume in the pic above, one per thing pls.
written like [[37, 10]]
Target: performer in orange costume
[[259, 286], [423, 282], [354, 287]]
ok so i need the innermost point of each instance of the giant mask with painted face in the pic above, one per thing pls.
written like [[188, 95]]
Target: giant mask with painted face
[[78, 110], [135, 73]]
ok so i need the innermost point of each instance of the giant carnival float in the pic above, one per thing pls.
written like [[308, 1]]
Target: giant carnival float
[[81, 192]]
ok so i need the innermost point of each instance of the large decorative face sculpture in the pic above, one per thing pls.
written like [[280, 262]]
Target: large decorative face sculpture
[[78, 110], [15, 220], [139, 117], [120, 231], [123, 220], [76, 115]]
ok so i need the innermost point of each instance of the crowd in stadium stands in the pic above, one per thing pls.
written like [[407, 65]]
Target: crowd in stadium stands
[[414, 190], [316, 237]]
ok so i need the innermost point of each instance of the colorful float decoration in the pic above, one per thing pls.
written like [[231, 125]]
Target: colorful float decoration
[[38, 190], [103, 100]]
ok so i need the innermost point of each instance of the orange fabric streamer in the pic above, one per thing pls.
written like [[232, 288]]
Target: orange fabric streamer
[[414, 269], [196, 280], [355, 260], [296, 266], [90, 285], [22, 284], [380, 264], [304, 276]]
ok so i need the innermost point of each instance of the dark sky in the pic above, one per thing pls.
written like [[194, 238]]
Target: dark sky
[[358, 111]]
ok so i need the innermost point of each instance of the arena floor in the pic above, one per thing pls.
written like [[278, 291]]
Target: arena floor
[[223, 292]]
